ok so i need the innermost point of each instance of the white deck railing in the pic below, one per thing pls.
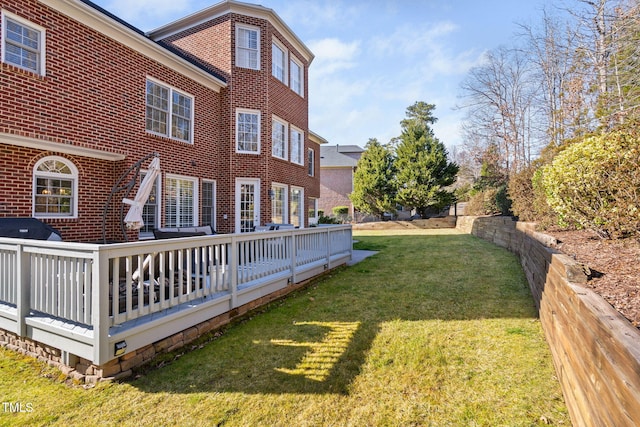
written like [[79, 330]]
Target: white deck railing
[[83, 295]]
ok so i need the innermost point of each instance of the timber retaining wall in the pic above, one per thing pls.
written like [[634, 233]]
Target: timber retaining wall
[[596, 351]]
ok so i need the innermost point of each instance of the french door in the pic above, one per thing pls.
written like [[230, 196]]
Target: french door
[[247, 204]]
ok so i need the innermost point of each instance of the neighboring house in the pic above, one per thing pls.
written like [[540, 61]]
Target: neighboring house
[[337, 164], [221, 95]]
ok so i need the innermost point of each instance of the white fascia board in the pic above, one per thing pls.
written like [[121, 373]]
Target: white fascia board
[[58, 147], [115, 30], [240, 8], [317, 138]]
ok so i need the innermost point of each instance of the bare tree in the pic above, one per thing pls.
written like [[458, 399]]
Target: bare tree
[[551, 47], [498, 97]]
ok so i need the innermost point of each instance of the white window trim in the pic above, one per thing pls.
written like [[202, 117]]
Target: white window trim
[[313, 205], [42, 48], [311, 165], [300, 160], [196, 189], [302, 208], [285, 135], [215, 197], [256, 201], [72, 177], [149, 235], [299, 64], [247, 111], [285, 202], [285, 60], [170, 112], [238, 48]]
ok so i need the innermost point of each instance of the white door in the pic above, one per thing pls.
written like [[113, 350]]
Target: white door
[[247, 204]]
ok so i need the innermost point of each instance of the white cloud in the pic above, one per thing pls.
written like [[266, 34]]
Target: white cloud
[[411, 40], [333, 55]]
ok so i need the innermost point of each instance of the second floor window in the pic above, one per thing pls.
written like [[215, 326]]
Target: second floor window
[[311, 162], [248, 131], [279, 139], [169, 112], [22, 43], [297, 144], [297, 77], [248, 47], [279, 63]]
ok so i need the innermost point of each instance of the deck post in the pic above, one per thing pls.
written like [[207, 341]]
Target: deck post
[[293, 238], [100, 307], [328, 263], [234, 265], [23, 299]]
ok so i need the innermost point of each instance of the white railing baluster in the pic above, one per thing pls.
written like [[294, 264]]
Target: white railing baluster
[[65, 279]]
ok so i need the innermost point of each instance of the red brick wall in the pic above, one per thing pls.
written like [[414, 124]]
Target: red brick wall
[[336, 185], [93, 95], [257, 90]]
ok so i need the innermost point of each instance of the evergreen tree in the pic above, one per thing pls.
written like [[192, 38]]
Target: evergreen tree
[[423, 170], [373, 190], [421, 113]]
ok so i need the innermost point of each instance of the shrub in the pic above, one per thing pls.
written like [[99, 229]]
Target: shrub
[[490, 201], [595, 184], [521, 192], [327, 220], [529, 201], [340, 210]]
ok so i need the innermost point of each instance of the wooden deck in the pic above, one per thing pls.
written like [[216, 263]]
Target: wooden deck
[[85, 298]]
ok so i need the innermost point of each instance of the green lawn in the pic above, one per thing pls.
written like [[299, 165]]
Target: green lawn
[[437, 329]]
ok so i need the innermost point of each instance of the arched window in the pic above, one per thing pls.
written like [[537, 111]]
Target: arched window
[[55, 188]]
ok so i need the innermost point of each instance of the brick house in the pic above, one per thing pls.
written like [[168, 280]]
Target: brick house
[[220, 96], [337, 164]]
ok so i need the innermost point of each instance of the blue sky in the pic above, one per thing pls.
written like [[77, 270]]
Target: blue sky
[[374, 58]]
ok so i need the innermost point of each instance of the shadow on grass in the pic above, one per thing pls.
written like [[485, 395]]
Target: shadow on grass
[[317, 340]]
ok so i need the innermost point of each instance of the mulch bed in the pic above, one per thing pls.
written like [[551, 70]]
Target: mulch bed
[[614, 265]]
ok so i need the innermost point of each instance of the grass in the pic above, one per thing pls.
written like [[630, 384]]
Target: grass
[[437, 329]]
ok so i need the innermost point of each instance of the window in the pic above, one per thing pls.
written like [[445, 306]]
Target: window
[[23, 43], [279, 62], [55, 188], [169, 112], [247, 47], [296, 206], [279, 203], [297, 77], [279, 139], [151, 209], [311, 162], [313, 210], [297, 145], [248, 131], [180, 202], [209, 203]]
